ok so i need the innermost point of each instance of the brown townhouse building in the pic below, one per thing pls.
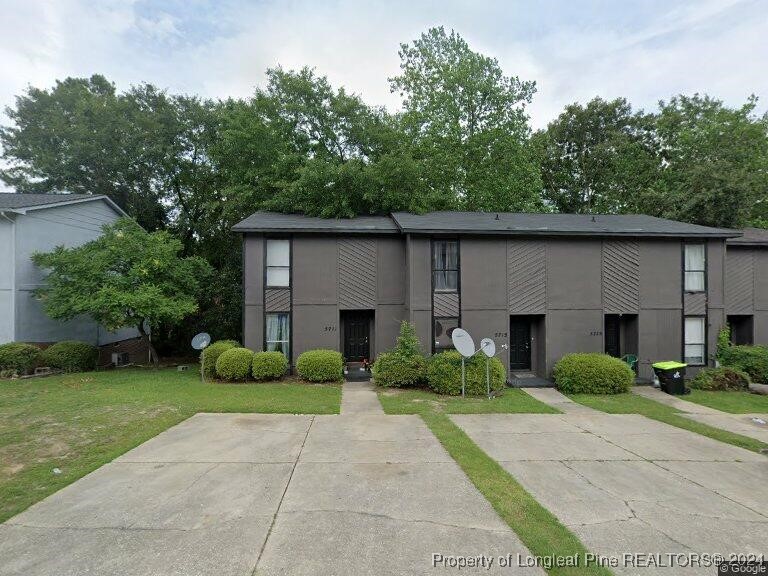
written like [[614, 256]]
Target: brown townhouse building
[[543, 285]]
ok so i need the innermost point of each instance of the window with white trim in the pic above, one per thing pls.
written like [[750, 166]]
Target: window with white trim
[[695, 267], [695, 337], [278, 332], [278, 263], [445, 265]]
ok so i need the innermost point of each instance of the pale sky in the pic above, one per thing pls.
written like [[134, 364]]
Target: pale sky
[[575, 50]]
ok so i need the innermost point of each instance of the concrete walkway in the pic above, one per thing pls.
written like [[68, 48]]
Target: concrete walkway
[[554, 398], [626, 484], [260, 494], [676, 402], [744, 424], [360, 398]]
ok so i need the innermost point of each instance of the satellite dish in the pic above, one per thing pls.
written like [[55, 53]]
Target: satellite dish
[[488, 346], [463, 342], [201, 341]]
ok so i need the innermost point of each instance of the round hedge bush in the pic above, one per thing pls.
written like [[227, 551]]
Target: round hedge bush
[[268, 365], [395, 370], [211, 354], [590, 373], [234, 364], [71, 356], [18, 357], [320, 365], [723, 378], [444, 374]]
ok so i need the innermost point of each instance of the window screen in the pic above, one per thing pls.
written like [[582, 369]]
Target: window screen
[[443, 329]]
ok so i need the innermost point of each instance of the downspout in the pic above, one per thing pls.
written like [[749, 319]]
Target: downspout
[[13, 273]]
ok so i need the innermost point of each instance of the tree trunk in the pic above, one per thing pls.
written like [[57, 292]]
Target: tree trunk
[[153, 357]]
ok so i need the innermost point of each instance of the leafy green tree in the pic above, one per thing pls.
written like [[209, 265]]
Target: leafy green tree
[[598, 158], [467, 125], [126, 278], [82, 137], [713, 160]]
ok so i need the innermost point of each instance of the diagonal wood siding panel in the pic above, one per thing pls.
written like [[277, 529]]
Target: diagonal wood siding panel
[[527, 276], [446, 305], [740, 282], [357, 273], [695, 303], [277, 300], [621, 276]]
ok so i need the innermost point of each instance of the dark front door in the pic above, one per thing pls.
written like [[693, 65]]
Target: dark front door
[[520, 344], [357, 336], [613, 336]]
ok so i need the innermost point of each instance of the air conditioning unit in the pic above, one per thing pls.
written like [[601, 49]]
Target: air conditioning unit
[[121, 358]]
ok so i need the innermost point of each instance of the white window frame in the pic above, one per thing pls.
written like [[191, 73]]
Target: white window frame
[[448, 272], [287, 341], [270, 264], [690, 345], [698, 273]]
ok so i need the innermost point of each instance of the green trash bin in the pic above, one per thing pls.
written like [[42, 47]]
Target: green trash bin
[[671, 376]]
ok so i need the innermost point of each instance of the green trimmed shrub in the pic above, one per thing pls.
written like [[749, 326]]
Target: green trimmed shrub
[[592, 374], [404, 365], [751, 359], [722, 378], [723, 342], [320, 365], [234, 364], [444, 374], [393, 370], [211, 354], [71, 356], [269, 365], [18, 357]]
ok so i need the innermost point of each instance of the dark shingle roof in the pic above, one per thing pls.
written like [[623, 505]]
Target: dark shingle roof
[[10, 201], [751, 237], [276, 222], [507, 223]]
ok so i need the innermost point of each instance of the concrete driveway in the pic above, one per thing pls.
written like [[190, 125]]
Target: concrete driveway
[[628, 484], [235, 494]]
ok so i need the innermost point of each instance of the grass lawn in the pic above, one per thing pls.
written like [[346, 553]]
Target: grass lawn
[[634, 404], [538, 528], [733, 402], [79, 422], [513, 400]]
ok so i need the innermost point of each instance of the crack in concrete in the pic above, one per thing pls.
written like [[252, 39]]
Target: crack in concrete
[[397, 519], [254, 572]]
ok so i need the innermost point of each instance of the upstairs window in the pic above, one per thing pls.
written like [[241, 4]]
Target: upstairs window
[[278, 263], [695, 267], [445, 265]]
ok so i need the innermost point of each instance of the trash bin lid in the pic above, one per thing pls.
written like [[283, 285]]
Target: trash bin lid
[[669, 365]]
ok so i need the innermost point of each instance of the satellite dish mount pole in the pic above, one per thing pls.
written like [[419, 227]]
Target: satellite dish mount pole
[[463, 376], [202, 364]]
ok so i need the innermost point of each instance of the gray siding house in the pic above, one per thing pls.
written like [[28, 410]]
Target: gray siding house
[[542, 284], [746, 302], [38, 223]]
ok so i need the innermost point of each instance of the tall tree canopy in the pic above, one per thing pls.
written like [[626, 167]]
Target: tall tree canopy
[[598, 158], [467, 124], [714, 162]]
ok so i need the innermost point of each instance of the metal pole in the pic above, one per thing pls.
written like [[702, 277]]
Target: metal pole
[[463, 377], [202, 364], [488, 375]]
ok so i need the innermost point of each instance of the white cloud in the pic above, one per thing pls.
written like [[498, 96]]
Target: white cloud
[[222, 49]]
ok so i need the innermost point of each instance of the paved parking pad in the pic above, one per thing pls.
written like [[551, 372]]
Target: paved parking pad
[[379, 495], [237, 494], [628, 484]]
